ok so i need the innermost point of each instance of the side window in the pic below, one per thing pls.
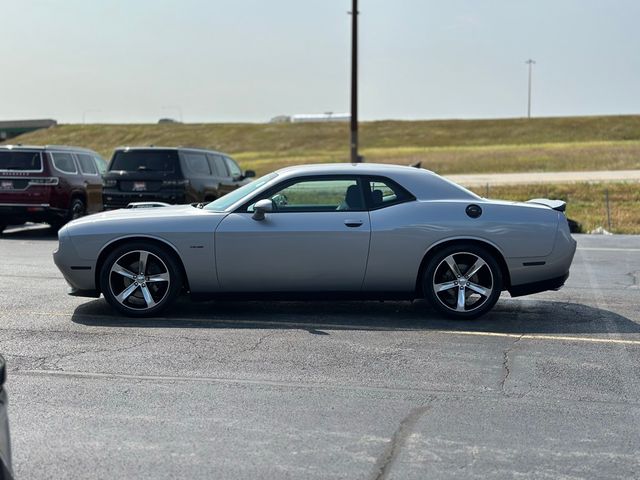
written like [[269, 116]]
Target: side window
[[233, 167], [219, 168], [318, 195], [101, 164], [87, 165], [384, 193], [64, 162], [197, 163]]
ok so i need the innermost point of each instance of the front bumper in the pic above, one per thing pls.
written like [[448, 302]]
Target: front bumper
[[78, 273]]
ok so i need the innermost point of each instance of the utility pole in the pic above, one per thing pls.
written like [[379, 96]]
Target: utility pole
[[355, 158], [529, 62]]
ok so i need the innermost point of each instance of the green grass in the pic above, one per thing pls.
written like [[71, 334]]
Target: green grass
[[586, 202], [445, 146]]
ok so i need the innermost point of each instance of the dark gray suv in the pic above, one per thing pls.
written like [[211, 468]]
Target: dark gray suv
[[170, 175]]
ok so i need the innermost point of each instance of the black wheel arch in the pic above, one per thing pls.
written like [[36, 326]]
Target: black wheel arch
[[506, 278], [163, 245]]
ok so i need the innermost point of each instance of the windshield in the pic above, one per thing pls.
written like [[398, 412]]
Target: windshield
[[144, 160], [24, 161], [224, 202]]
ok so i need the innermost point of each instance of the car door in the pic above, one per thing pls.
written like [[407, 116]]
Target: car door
[[315, 239], [220, 170], [92, 181]]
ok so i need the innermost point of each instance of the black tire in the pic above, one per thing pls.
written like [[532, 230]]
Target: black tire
[[456, 296], [77, 209], [115, 286]]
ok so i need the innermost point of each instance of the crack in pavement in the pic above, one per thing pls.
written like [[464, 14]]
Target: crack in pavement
[[506, 365], [259, 342], [51, 362], [398, 440]]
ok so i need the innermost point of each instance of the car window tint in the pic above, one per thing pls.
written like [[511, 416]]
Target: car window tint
[[64, 162], [87, 164], [197, 163], [233, 167], [385, 193], [153, 160], [101, 164], [319, 195], [219, 168], [26, 161]]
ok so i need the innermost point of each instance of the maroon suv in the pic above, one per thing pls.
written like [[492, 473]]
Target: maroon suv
[[48, 184]]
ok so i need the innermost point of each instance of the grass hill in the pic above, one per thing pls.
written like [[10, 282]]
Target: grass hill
[[445, 146]]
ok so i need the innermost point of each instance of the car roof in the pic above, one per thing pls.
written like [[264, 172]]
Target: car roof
[[178, 148], [70, 148], [421, 183], [351, 169]]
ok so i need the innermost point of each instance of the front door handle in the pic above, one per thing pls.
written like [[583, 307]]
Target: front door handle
[[353, 223]]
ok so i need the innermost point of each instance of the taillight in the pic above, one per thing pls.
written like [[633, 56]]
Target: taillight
[[44, 181], [175, 183]]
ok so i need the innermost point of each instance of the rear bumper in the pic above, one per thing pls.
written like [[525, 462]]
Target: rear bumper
[[114, 200], [537, 287], [17, 213]]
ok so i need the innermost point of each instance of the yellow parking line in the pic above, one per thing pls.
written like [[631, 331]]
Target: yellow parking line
[[561, 338], [608, 249], [526, 336]]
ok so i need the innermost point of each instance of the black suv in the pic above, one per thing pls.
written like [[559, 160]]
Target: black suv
[[170, 175]]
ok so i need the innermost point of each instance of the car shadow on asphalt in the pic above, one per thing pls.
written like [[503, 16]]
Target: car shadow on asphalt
[[509, 316]]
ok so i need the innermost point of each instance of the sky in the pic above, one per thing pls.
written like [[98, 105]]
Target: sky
[[106, 61]]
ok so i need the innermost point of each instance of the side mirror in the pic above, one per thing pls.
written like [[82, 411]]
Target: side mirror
[[261, 207], [249, 174]]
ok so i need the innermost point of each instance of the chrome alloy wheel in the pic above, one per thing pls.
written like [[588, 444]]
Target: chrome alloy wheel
[[463, 282], [139, 280]]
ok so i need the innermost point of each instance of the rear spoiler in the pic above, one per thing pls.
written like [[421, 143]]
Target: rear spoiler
[[557, 205]]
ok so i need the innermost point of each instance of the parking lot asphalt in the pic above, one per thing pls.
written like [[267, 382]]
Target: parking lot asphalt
[[546, 386]]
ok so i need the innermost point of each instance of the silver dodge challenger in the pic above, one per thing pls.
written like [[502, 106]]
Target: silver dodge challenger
[[329, 231]]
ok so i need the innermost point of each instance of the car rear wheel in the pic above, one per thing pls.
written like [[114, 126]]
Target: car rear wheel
[[140, 279], [463, 281]]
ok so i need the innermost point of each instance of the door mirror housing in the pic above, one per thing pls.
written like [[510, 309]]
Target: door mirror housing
[[249, 174], [261, 207]]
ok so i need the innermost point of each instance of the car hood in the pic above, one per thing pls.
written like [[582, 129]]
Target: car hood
[[135, 214]]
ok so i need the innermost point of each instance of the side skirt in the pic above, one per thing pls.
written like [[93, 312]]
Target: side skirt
[[308, 296]]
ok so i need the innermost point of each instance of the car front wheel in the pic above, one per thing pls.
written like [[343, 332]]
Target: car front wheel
[[463, 281], [140, 279]]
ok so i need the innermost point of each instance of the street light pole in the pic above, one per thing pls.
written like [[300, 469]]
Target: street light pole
[[529, 62], [355, 158]]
